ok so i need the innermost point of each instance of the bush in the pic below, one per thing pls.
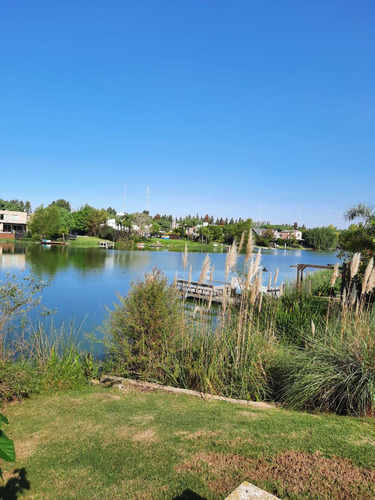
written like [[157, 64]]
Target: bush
[[335, 371], [143, 323]]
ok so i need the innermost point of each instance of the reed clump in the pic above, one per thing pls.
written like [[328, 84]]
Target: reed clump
[[309, 349], [36, 357]]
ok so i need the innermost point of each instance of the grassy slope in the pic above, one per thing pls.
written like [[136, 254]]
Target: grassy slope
[[179, 245], [104, 443], [86, 241]]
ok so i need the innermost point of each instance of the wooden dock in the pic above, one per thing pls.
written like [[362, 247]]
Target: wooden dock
[[106, 244], [212, 292]]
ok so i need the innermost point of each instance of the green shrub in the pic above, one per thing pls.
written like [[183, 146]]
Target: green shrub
[[335, 371], [294, 313], [143, 323]]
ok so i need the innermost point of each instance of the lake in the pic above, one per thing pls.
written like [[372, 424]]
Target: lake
[[84, 281]]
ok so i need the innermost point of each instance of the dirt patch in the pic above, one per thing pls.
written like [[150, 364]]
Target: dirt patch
[[251, 414], [25, 449], [295, 434], [146, 436], [201, 433], [363, 442], [106, 396], [297, 473], [142, 419]]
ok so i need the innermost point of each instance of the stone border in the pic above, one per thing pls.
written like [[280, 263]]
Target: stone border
[[246, 491], [120, 382]]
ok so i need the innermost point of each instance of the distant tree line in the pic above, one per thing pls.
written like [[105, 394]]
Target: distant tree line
[[57, 220]]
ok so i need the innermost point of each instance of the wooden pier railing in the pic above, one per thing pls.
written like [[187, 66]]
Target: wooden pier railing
[[213, 291]]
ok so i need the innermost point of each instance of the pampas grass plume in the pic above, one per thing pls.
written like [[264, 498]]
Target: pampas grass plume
[[335, 275], [241, 241], [355, 264], [367, 274], [249, 245], [371, 281], [185, 257], [205, 270], [276, 276]]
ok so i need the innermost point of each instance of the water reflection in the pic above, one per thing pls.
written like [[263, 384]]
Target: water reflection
[[49, 259], [85, 280], [12, 256]]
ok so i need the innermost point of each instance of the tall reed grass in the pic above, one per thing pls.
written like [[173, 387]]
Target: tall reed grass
[[309, 350], [34, 355]]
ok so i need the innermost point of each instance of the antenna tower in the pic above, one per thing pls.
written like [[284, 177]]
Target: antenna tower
[[147, 198], [125, 186]]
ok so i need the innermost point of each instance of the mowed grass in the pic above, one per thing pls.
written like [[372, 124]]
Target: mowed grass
[[179, 245], [106, 443], [86, 241]]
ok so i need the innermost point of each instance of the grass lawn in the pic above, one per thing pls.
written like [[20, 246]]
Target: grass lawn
[[103, 443], [179, 245], [86, 241]]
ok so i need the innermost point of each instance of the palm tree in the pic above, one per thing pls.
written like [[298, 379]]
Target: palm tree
[[364, 212]]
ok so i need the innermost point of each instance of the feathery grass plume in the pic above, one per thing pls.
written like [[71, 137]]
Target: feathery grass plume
[[250, 274], [259, 280], [211, 275], [260, 302], [231, 259], [355, 264], [276, 276], [185, 257], [371, 281], [353, 295], [190, 275], [205, 270], [257, 261], [367, 274], [313, 328], [249, 245], [241, 241], [256, 287], [253, 294], [175, 280], [343, 299], [335, 275], [224, 303], [209, 302], [269, 280]]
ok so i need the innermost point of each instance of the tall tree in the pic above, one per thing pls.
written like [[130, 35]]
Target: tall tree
[[51, 222], [62, 204], [321, 238]]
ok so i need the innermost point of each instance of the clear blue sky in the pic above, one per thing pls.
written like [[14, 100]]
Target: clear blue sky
[[251, 108]]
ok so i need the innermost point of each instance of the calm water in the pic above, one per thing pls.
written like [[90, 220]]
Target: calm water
[[85, 280]]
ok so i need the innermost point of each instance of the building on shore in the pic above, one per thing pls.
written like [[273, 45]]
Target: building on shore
[[12, 224]]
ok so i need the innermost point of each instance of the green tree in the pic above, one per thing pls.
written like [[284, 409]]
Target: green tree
[[211, 233], [15, 205], [141, 220], [111, 211], [155, 228], [234, 231], [360, 236], [96, 219], [62, 204], [321, 238], [51, 222], [81, 219]]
